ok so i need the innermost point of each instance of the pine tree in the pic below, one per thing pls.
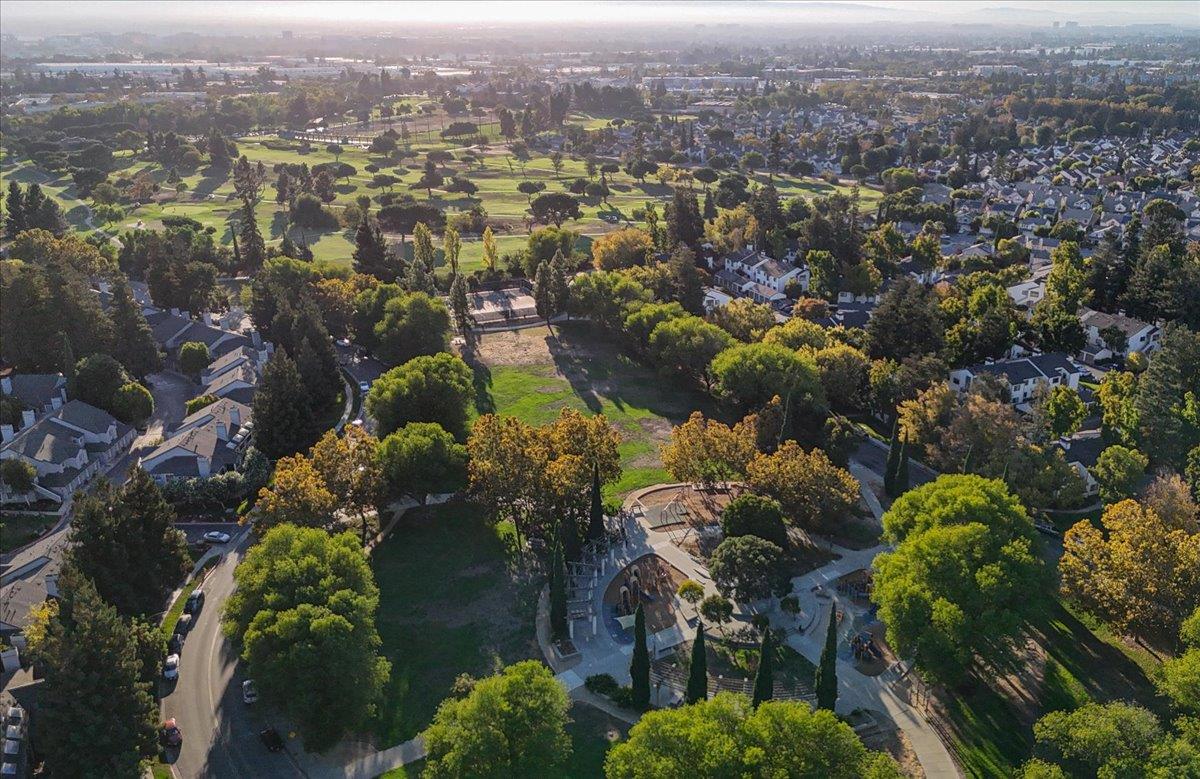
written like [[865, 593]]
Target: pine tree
[[595, 530], [134, 345], [900, 483], [287, 247], [558, 595], [419, 279], [254, 250], [14, 207], [893, 461], [371, 254], [639, 666], [559, 286], [283, 419], [764, 677], [826, 681], [92, 700], [697, 684]]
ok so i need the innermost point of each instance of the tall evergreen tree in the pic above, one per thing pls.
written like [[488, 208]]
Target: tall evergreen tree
[[460, 305], [419, 279], [558, 595], [900, 483], [126, 542], [639, 665], [543, 292], [697, 684], [92, 701], [893, 460], [254, 249], [134, 345], [710, 208], [764, 677], [595, 529], [66, 355], [826, 681], [371, 254], [283, 419], [14, 209]]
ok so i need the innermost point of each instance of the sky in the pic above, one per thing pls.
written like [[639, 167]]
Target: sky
[[40, 17]]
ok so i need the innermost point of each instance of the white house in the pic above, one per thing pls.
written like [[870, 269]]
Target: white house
[[1139, 336], [1024, 376], [66, 448], [206, 443]]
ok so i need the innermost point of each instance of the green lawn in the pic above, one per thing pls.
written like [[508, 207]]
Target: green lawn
[[19, 529], [208, 196], [168, 624], [577, 368], [989, 736], [448, 606]]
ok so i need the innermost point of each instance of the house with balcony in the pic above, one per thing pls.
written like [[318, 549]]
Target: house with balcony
[[1100, 326]]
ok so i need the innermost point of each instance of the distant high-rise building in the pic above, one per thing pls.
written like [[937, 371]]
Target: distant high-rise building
[[286, 35]]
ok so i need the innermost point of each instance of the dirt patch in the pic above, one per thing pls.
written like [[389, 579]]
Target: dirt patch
[[529, 346], [886, 737]]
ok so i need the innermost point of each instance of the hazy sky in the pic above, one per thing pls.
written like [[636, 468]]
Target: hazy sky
[[39, 17]]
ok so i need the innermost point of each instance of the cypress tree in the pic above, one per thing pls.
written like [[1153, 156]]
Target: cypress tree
[[558, 595], [572, 549], [254, 250], [639, 666], [893, 461], [900, 482], [697, 686], [826, 681], [134, 345], [15, 222], [66, 355], [595, 529], [283, 419], [764, 677]]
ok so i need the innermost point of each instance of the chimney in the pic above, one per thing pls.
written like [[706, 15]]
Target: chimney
[[174, 312], [235, 416], [6, 433], [27, 418], [222, 431]]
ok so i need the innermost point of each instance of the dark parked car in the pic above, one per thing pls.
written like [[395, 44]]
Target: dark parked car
[[271, 739], [174, 644], [170, 733], [194, 602]]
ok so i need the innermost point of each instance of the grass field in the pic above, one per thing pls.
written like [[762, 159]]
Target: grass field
[[207, 195], [18, 530], [450, 606], [991, 733], [534, 373]]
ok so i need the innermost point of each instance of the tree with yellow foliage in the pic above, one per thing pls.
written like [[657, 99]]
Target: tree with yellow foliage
[[732, 230], [815, 493], [1135, 571], [297, 496], [621, 249], [704, 452]]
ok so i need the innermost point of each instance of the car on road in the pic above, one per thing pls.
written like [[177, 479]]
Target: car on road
[[271, 739], [175, 644], [170, 733], [364, 386], [194, 602], [216, 537], [171, 667], [184, 624], [249, 691]]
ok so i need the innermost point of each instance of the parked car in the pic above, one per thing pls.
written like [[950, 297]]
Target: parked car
[[194, 602], [364, 387], [216, 537], [171, 667], [271, 739], [170, 733], [174, 644], [16, 716], [249, 691], [184, 624]]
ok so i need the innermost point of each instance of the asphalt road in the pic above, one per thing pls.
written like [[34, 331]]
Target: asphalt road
[[220, 732]]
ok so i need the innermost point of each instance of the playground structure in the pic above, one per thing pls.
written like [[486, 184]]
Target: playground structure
[[648, 581], [690, 516]]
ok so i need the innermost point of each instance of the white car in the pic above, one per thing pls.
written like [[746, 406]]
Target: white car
[[171, 667], [249, 691], [364, 386], [216, 537]]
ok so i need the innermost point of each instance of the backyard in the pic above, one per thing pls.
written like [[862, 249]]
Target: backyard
[[533, 373]]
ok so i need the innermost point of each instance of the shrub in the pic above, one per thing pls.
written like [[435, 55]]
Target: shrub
[[602, 684]]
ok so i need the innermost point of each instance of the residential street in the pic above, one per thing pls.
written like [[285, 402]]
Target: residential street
[[220, 732]]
